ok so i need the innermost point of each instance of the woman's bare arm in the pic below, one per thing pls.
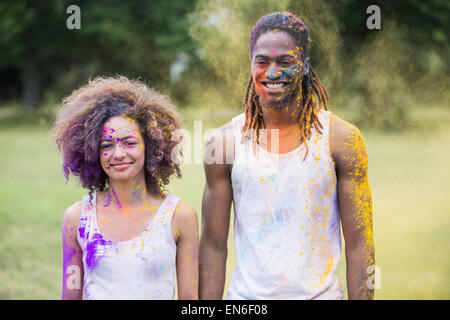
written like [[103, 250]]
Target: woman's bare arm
[[72, 278]]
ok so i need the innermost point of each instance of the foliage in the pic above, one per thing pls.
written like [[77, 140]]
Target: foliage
[[136, 38], [367, 71]]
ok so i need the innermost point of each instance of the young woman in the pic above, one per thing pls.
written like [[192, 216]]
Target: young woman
[[125, 239]]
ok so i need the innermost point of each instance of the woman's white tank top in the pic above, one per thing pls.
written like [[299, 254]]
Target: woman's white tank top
[[139, 268], [286, 224]]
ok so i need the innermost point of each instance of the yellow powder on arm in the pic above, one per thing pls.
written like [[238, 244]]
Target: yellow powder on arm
[[355, 205]]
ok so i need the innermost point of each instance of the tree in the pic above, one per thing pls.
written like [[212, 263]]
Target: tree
[[30, 36], [136, 38]]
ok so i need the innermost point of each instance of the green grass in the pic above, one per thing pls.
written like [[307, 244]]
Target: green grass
[[409, 176]]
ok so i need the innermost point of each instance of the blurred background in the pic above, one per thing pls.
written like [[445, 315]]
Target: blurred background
[[393, 83]]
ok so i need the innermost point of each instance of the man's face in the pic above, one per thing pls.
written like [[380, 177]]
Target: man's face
[[277, 68]]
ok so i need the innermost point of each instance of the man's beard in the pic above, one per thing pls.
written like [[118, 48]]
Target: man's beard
[[286, 101]]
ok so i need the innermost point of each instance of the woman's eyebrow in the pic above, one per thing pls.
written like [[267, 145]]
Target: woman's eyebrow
[[129, 137], [110, 138]]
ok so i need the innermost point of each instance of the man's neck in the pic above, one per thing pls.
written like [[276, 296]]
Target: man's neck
[[286, 123], [281, 118]]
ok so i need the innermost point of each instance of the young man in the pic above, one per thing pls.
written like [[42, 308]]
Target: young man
[[293, 172]]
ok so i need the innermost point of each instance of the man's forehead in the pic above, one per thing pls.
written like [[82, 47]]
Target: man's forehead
[[275, 43]]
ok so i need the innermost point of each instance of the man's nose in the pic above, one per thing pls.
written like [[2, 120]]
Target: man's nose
[[273, 72]]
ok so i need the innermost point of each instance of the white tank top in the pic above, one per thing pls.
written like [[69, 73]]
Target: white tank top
[[139, 268], [286, 225]]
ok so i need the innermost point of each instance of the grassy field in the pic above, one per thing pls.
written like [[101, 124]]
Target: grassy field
[[409, 176]]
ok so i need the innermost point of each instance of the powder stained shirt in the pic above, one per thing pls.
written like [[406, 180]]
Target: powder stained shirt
[[286, 224], [135, 269]]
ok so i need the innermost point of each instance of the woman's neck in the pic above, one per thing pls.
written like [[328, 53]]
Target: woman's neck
[[126, 194]]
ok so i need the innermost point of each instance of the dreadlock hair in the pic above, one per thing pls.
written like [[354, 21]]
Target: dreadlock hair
[[310, 85]]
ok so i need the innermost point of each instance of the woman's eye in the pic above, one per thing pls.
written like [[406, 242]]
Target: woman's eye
[[105, 146]]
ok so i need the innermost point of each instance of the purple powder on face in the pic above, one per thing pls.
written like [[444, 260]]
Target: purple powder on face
[[79, 137]]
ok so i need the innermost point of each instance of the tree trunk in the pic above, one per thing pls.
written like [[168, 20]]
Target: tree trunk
[[31, 85]]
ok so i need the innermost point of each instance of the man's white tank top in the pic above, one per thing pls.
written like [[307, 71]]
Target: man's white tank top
[[136, 269], [286, 224]]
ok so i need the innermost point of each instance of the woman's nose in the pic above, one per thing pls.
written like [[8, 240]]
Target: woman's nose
[[119, 152]]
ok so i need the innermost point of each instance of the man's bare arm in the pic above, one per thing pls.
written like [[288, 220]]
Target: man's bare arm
[[216, 206], [355, 205]]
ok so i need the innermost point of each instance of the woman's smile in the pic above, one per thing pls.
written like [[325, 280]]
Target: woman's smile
[[121, 165]]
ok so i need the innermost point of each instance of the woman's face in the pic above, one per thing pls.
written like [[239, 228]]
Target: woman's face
[[122, 149]]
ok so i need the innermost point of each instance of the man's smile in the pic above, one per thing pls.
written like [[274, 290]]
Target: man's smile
[[275, 84]]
